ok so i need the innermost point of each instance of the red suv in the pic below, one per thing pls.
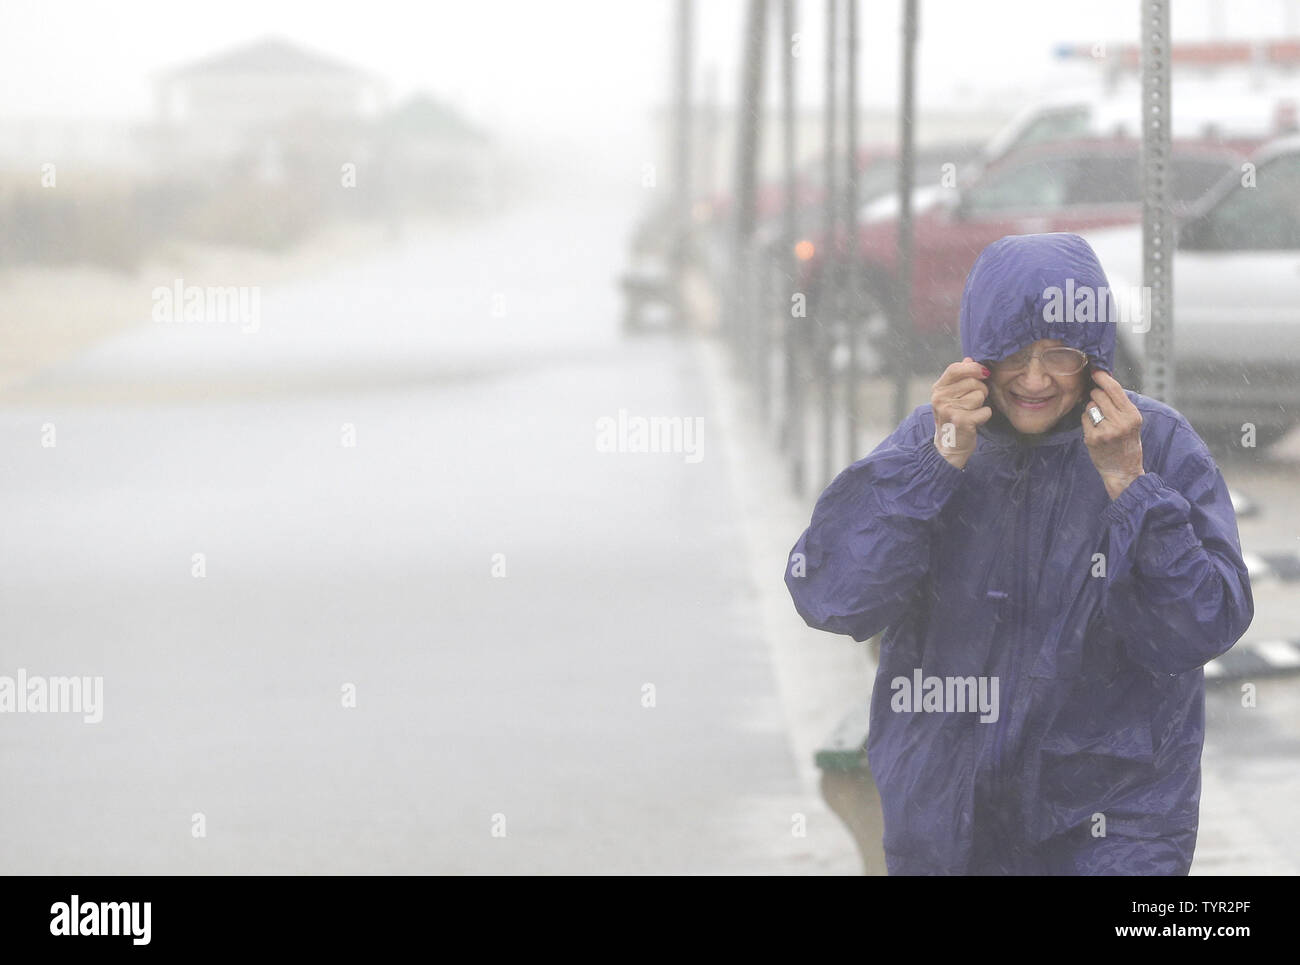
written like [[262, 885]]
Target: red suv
[[1060, 186]]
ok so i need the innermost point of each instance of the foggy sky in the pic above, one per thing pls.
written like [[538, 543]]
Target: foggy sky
[[566, 71]]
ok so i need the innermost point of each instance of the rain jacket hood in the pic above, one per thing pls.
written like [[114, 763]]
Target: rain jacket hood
[[1094, 616], [1023, 288]]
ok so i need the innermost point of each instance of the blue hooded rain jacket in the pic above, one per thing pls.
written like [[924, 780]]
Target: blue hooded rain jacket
[[1095, 617]]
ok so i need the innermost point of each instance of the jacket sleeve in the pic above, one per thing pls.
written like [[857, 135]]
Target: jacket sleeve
[[1177, 590], [861, 561]]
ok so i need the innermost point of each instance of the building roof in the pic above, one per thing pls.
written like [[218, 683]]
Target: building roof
[[272, 55]]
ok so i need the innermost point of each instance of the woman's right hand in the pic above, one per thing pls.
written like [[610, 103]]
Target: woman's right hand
[[958, 401]]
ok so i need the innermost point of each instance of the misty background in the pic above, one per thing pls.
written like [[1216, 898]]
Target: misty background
[[310, 317]]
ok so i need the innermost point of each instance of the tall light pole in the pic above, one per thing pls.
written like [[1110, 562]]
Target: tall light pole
[[745, 213], [1157, 224], [792, 394], [850, 289], [829, 306], [682, 215], [901, 318]]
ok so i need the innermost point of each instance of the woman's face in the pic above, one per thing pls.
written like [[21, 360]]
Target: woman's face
[[1032, 398]]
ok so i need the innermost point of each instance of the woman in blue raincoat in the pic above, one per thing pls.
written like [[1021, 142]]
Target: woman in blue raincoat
[[1040, 536]]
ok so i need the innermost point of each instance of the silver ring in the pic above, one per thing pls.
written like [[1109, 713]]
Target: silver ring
[[1096, 415]]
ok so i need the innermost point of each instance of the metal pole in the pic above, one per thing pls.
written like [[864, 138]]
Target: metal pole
[[901, 320], [1157, 224], [751, 84], [709, 141], [792, 392], [850, 287], [682, 162], [763, 287], [829, 288]]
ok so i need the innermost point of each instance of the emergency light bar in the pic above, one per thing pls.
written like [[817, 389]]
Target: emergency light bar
[[1276, 53]]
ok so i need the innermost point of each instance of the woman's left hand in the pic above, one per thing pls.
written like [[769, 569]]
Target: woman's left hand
[[1115, 445]]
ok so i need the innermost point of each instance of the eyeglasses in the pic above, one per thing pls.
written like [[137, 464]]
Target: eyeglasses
[[1059, 360]]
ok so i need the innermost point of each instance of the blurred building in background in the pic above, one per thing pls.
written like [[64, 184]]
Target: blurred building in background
[[259, 104], [260, 146]]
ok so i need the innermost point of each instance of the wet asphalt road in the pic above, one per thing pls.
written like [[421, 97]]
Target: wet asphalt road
[[500, 721]]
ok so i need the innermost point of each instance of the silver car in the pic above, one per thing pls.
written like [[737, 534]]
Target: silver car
[[1236, 305]]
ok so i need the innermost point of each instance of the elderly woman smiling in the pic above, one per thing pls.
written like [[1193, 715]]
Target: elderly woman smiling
[[1039, 526], [1034, 389]]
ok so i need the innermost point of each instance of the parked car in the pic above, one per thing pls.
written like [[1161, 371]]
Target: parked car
[[1060, 186], [1233, 114], [877, 184], [1229, 91], [1236, 300], [877, 167]]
